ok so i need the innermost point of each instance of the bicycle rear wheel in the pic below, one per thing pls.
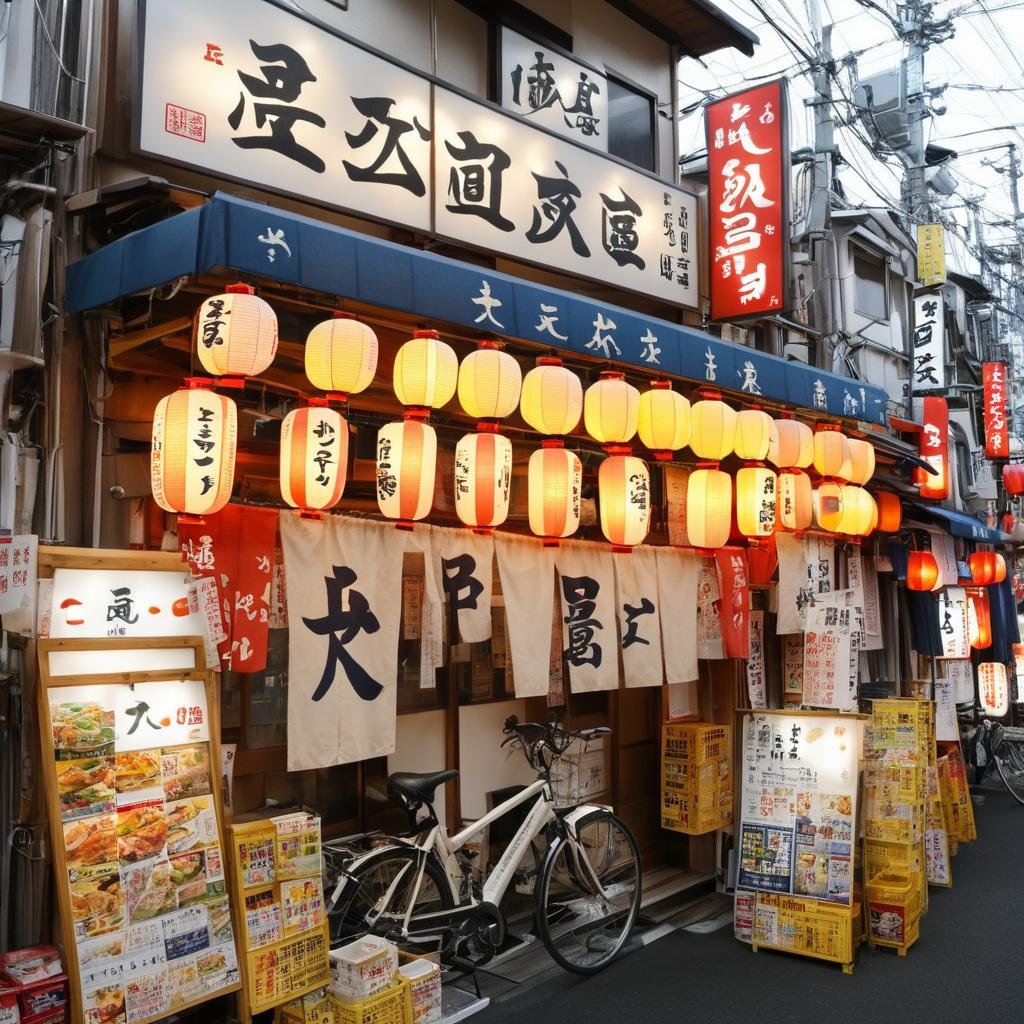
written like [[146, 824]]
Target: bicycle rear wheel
[[585, 927], [1010, 761]]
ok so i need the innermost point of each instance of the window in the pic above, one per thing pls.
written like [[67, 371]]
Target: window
[[630, 124], [871, 283]]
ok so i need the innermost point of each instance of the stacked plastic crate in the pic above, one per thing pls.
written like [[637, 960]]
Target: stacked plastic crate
[[900, 744], [696, 777]]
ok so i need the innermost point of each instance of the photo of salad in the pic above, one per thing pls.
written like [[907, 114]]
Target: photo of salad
[[80, 729], [85, 787], [186, 771], [91, 841]]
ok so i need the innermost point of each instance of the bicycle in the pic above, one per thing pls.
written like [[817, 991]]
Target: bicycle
[[417, 890], [987, 741]]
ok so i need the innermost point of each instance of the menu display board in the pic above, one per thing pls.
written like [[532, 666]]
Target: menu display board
[[140, 854], [277, 872]]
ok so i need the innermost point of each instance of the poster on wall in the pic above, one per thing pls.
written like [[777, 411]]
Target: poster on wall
[[798, 804]]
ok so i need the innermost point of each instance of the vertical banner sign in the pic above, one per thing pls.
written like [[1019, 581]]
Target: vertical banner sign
[[933, 446], [929, 356], [997, 441], [748, 201], [931, 254]]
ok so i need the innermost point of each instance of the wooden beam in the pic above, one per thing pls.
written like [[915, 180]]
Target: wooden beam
[[55, 557], [127, 342]]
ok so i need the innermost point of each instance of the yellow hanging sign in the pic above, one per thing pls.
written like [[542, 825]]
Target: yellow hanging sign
[[931, 254]]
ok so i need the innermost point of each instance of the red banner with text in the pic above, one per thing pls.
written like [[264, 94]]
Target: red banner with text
[[997, 440], [933, 447]]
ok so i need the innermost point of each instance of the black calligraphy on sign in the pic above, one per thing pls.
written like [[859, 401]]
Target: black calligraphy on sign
[[377, 111], [583, 107], [474, 183], [140, 713], [285, 72], [205, 443], [580, 593], [213, 323], [633, 612], [342, 625], [461, 586], [122, 607], [387, 479], [323, 456], [557, 203], [619, 236]]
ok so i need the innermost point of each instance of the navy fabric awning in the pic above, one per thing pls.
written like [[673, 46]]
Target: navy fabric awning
[[961, 525], [229, 233]]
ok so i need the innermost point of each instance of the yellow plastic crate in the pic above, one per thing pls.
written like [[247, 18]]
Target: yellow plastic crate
[[696, 741], [810, 927], [890, 830], [392, 1006]]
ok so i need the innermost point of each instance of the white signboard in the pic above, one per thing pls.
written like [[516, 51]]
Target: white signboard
[[928, 372], [115, 603], [756, 686], [953, 623], [554, 91], [17, 571]]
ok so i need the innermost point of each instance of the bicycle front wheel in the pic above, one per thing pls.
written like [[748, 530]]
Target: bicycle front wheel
[[1010, 762], [588, 896]]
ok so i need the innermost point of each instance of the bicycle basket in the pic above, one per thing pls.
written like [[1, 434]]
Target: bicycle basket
[[577, 774]]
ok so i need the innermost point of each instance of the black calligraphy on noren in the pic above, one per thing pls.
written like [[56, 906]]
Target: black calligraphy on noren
[[461, 587], [580, 593]]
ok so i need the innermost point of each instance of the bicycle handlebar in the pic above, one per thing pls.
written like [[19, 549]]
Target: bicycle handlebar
[[535, 738]]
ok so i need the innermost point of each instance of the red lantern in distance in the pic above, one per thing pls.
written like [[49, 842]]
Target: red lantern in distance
[[922, 571], [1000, 569], [983, 567], [980, 619], [1013, 478]]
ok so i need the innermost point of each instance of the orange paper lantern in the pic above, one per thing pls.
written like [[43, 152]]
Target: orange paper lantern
[[756, 497], [890, 512], [611, 409], [483, 477], [555, 481], [922, 571], [624, 496], [828, 505], [984, 566], [341, 355], [314, 457], [708, 508], [1013, 478], [862, 461], [832, 454], [795, 501], [406, 463], [979, 618], [791, 444], [426, 371]]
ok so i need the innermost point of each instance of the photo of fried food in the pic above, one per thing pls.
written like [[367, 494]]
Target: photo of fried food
[[186, 771], [141, 832], [85, 786], [90, 841], [97, 904], [136, 769]]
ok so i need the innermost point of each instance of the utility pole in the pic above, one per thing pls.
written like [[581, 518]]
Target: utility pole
[[1018, 230], [916, 188]]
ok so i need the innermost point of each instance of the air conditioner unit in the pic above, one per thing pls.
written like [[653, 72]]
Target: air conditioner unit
[[882, 104]]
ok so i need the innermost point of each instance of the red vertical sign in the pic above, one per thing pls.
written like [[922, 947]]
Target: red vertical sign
[[748, 202], [997, 440], [933, 447]]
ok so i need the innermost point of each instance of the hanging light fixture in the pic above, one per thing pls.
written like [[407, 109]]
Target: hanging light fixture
[[828, 505], [795, 500], [890, 511], [832, 453], [192, 461], [236, 333], [708, 507], [756, 497], [341, 356], [983, 567], [790, 444], [490, 382], [552, 398], [426, 371], [624, 497], [663, 420], [753, 434], [979, 618], [611, 408], [1013, 478], [712, 429], [555, 483], [862, 461], [406, 462], [859, 512], [483, 477], [314, 458], [922, 571]]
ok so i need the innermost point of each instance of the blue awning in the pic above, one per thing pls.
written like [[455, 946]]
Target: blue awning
[[229, 233], [961, 525]]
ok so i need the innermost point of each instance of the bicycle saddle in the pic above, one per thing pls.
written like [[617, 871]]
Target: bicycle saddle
[[418, 787]]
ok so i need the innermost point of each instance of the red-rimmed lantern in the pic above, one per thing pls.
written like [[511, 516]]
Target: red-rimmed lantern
[[236, 333], [984, 567], [890, 511], [979, 618], [314, 458], [555, 482], [922, 571], [483, 477], [1013, 478], [624, 497], [406, 463]]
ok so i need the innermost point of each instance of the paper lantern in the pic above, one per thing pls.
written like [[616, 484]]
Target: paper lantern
[[979, 618], [827, 503], [314, 457], [790, 444], [236, 333], [862, 461], [831, 453], [890, 512], [555, 480], [1013, 478], [406, 462], [756, 488], [712, 429], [984, 567], [426, 371], [663, 421], [753, 434], [795, 501], [993, 689], [624, 496], [341, 355], [922, 571], [552, 398], [489, 383], [611, 408], [192, 465], [1000, 571], [858, 512], [708, 508], [483, 477]]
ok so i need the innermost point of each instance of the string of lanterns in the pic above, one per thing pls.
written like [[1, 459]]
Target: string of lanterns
[[195, 439]]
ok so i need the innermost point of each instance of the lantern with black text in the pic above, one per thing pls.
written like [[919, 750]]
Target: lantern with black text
[[862, 461], [979, 618], [624, 496], [828, 505], [663, 420], [552, 398], [712, 429], [555, 482], [790, 444], [192, 464], [426, 371], [890, 512], [984, 567], [314, 458], [610, 409], [236, 333], [795, 501], [490, 382], [753, 434], [406, 462], [832, 453], [341, 355], [483, 476], [756, 498], [708, 507], [1013, 478], [993, 689], [922, 571]]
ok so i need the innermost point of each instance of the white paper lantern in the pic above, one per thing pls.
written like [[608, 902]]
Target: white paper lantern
[[314, 457], [555, 481], [483, 478], [236, 333], [624, 496], [406, 463]]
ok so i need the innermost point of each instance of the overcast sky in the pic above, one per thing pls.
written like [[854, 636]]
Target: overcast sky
[[983, 52]]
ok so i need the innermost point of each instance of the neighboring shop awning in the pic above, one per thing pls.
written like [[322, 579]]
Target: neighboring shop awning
[[252, 238], [961, 525]]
